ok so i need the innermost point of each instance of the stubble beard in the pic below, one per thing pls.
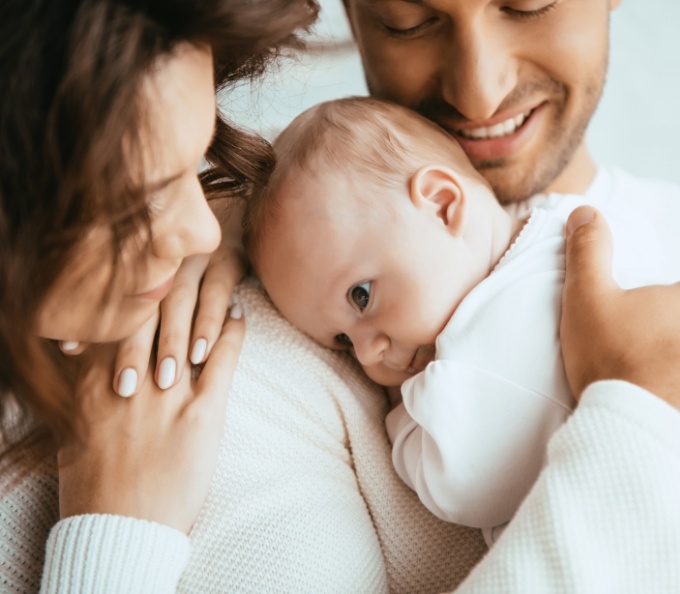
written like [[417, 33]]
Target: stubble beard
[[517, 181]]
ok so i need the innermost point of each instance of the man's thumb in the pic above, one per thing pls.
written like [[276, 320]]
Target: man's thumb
[[588, 251]]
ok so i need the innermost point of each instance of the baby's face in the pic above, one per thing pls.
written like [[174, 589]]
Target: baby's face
[[380, 281]]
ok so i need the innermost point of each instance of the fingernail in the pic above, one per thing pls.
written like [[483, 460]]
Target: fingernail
[[127, 382], [235, 312], [199, 350], [68, 345], [166, 373], [578, 218]]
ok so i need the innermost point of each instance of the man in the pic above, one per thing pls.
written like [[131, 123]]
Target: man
[[516, 83]]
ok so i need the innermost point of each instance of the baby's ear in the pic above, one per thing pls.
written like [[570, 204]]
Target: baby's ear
[[439, 189]]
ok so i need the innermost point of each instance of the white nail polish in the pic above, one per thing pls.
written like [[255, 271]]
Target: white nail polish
[[236, 313], [69, 345], [199, 350], [166, 373], [127, 382]]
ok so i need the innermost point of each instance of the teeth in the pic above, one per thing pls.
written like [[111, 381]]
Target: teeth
[[503, 129]]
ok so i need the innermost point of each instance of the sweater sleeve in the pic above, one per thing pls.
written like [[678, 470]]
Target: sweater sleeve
[[471, 442], [604, 515], [104, 554]]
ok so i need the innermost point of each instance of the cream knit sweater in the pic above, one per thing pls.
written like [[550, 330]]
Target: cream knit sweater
[[304, 498]]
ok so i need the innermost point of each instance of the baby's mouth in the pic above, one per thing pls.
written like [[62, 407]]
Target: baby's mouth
[[421, 358]]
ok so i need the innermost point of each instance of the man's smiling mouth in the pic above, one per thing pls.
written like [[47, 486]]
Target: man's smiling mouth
[[505, 128]]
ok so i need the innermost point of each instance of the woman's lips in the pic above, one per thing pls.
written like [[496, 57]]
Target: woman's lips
[[160, 292]]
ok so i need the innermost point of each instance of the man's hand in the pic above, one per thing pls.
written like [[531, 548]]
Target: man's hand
[[609, 333]]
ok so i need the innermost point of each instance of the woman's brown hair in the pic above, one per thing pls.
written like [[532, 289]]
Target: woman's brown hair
[[71, 73]]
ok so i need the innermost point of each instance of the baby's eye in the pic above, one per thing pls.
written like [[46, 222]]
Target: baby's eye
[[344, 340], [360, 295]]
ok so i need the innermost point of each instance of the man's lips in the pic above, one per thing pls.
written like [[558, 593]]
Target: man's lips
[[499, 137]]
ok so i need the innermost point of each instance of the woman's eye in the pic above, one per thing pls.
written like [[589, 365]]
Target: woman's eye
[[360, 295], [344, 340]]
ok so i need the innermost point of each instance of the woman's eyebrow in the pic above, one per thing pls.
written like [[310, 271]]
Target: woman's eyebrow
[[162, 183]]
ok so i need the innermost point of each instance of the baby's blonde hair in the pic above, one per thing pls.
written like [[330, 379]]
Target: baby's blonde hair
[[371, 139]]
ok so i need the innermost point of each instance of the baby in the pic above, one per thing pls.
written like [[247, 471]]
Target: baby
[[377, 236]]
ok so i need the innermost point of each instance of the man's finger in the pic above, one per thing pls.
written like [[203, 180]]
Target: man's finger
[[588, 251]]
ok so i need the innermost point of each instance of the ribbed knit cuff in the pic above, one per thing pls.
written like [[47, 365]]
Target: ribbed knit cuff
[[106, 554], [640, 407]]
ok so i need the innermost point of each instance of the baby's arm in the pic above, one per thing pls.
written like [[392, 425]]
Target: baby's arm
[[469, 442]]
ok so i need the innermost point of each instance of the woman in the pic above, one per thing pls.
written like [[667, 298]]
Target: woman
[[106, 111]]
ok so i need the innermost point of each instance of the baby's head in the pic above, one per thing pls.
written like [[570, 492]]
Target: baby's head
[[372, 230]]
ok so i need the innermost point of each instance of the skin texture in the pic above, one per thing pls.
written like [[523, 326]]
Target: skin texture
[[181, 114], [413, 260], [468, 64]]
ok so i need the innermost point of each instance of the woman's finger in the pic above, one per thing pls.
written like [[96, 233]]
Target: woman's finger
[[132, 360], [223, 273], [177, 314], [72, 347], [214, 383]]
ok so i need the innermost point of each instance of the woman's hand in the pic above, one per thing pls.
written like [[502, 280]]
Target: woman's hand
[[151, 456], [202, 287], [609, 333]]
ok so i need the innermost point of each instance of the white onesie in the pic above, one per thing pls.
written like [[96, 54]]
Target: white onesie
[[471, 435]]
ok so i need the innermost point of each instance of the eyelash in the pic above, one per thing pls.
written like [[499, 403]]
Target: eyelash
[[531, 14], [410, 32], [518, 14], [344, 340]]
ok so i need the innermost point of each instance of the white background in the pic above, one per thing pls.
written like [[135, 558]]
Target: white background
[[637, 125]]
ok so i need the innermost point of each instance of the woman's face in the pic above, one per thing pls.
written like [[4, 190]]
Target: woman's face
[[84, 305]]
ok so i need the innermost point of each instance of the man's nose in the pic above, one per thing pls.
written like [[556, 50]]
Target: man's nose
[[480, 70]]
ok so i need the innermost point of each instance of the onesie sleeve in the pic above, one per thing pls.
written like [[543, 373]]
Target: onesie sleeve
[[470, 442], [110, 554], [604, 515]]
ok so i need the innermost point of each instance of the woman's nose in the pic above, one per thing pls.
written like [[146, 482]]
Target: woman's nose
[[189, 226]]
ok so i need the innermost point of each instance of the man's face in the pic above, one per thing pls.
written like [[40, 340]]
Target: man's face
[[514, 81]]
